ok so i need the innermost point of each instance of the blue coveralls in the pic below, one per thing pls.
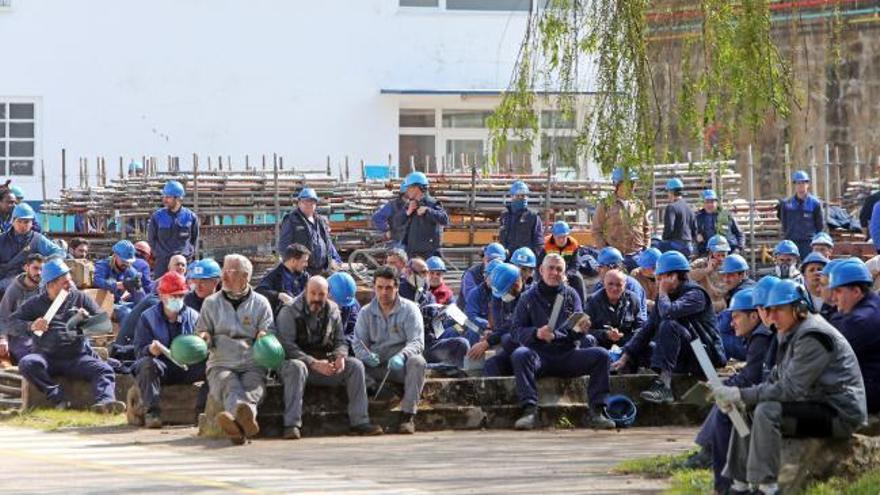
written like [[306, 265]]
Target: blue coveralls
[[477, 310], [349, 315], [153, 372], [503, 314], [801, 220], [106, 277], [315, 235], [626, 316], [6, 224], [474, 276], [679, 228], [59, 352], [707, 227], [172, 233], [449, 347], [521, 228], [421, 234], [383, 219], [734, 347], [279, 280], [635, 287], [14, 250], [715, 432], [874, 226], [561, 357], [861, 327], [676, 320]]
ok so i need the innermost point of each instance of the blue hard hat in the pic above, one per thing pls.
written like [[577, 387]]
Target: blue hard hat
[[762, 289], [648, 258], [204, 269], [524, 257], [134, 166], [734, 264], [173, 188], [610, 256], [718, 244], [622, 410], [307, 193], [617, 175], [403, 187], [342, 289], [709, 195], [491, 266], [814, 257], [561, 228], [822, 238], [495, 250], [787, 247], [851, 271], [672, 261], [435, 264], [786, 292], [17, 191], [743, 300], [504, 276], [416, 179], [519, 187], [800, 176], [125, 250], [674, 184], [23, 211], [52, 269]]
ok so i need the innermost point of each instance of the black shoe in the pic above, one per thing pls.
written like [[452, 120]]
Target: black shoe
[[658, 394], [699, 460], [368, 430], [528, 420], [407, 424], [598, 419], [291, 433], [153, 420]]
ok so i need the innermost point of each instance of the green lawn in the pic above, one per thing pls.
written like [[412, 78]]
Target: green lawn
[[50, 419]]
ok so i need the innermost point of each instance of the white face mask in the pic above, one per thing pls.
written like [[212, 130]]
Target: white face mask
[[174, 304]]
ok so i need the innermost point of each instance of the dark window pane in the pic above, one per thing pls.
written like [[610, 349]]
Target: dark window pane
[[472, 119], [21, 148], [2, 110], [2, 167], [419, 3], [2, 129], [488, 5], [416, 118], [417, 150], [21, 130], [2, 148], [21, 167], [21, 110], [554, 119]]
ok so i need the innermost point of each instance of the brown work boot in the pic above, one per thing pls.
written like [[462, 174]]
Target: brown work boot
[[244, 416], [109, 407], [366, 430], [291, 433], [407, 424], [226, 422]]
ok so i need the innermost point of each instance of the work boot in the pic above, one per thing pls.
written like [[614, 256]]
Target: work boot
[[598, 419], [407, 424], [109, 407], [244, 416], [291, 433], [701, 459], [153, 420], [658, 393], [368, 430], [528, 420], [62, 405], [233, 431]]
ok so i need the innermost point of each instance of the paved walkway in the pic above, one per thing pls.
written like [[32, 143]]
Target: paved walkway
[[175, 461]]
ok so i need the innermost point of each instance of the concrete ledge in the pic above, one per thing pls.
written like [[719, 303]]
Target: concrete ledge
[[815, 459], [78, 392], [178, 405]]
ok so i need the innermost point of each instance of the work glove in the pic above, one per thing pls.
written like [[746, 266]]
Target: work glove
[[285, 298], [396, 362], [372, 360], [726, 397]]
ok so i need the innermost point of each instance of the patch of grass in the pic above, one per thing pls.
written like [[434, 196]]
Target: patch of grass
[[866, 484], [50, 419], [691, 482], [660, 466]]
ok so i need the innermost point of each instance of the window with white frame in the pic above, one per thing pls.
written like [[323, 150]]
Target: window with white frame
[[17, 138]]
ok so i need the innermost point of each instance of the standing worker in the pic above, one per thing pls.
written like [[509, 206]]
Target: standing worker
[[713, 220], [305, 226], [801, 214], [421, 222], [622, 221], [383, 218], [173, 229], [520, 226], [679, 222]]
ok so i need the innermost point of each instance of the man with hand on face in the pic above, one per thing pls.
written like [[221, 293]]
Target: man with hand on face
[[705, 271], [421, 223], [15, 339], [811, 268], [173, 229], [615, 312], [310, 330], [287, 280], [306, 227]]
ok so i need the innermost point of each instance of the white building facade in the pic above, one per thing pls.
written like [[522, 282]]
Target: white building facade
[[363, 79]]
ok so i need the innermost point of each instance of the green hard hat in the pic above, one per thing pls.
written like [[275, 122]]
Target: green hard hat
[[268, 352], [189, 349]]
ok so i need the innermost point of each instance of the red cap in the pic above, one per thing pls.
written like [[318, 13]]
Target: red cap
[[143, 247], [172, 283]]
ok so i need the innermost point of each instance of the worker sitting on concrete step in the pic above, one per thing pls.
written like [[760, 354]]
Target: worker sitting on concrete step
[[858, 319], [383, 222], [811, 269], [305, 226], [389, 340], [549, 346], [679, 221], [78, 249], [343, 291], [787, 258], [615, 312], [173, 229], [143, 255], [421, 222], [801, 214], [476, 273], [735, 275], [20, 241], [288, 279], [231, 321], [204, 278], [822, 244], [507, 287], [476, 306], [525, 259], [815, 390], [160, 325], [8, 200], [644, 275], [520, 226], [117, 276], [16, 340], [414, 287], [712, 220], [436, 270], [60, 349], [621, 220], [683, 312], [311, 332], [611, 259]]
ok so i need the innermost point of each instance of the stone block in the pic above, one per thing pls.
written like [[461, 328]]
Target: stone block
[[177, 404], [807, 460], [78, 392]]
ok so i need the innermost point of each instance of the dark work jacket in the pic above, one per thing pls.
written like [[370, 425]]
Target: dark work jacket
[[757, 347], [474, 276], [801, 219], [708, 225], [58, 342], [679, 222], [533, 312], [861, 328], [503, 318], [279, 280], [625, 316], [153, 325], [421, 234], [172, 233], [296, 228], [384, 216], [522, 228]]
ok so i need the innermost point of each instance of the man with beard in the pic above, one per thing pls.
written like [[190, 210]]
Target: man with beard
[[15, 339]]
